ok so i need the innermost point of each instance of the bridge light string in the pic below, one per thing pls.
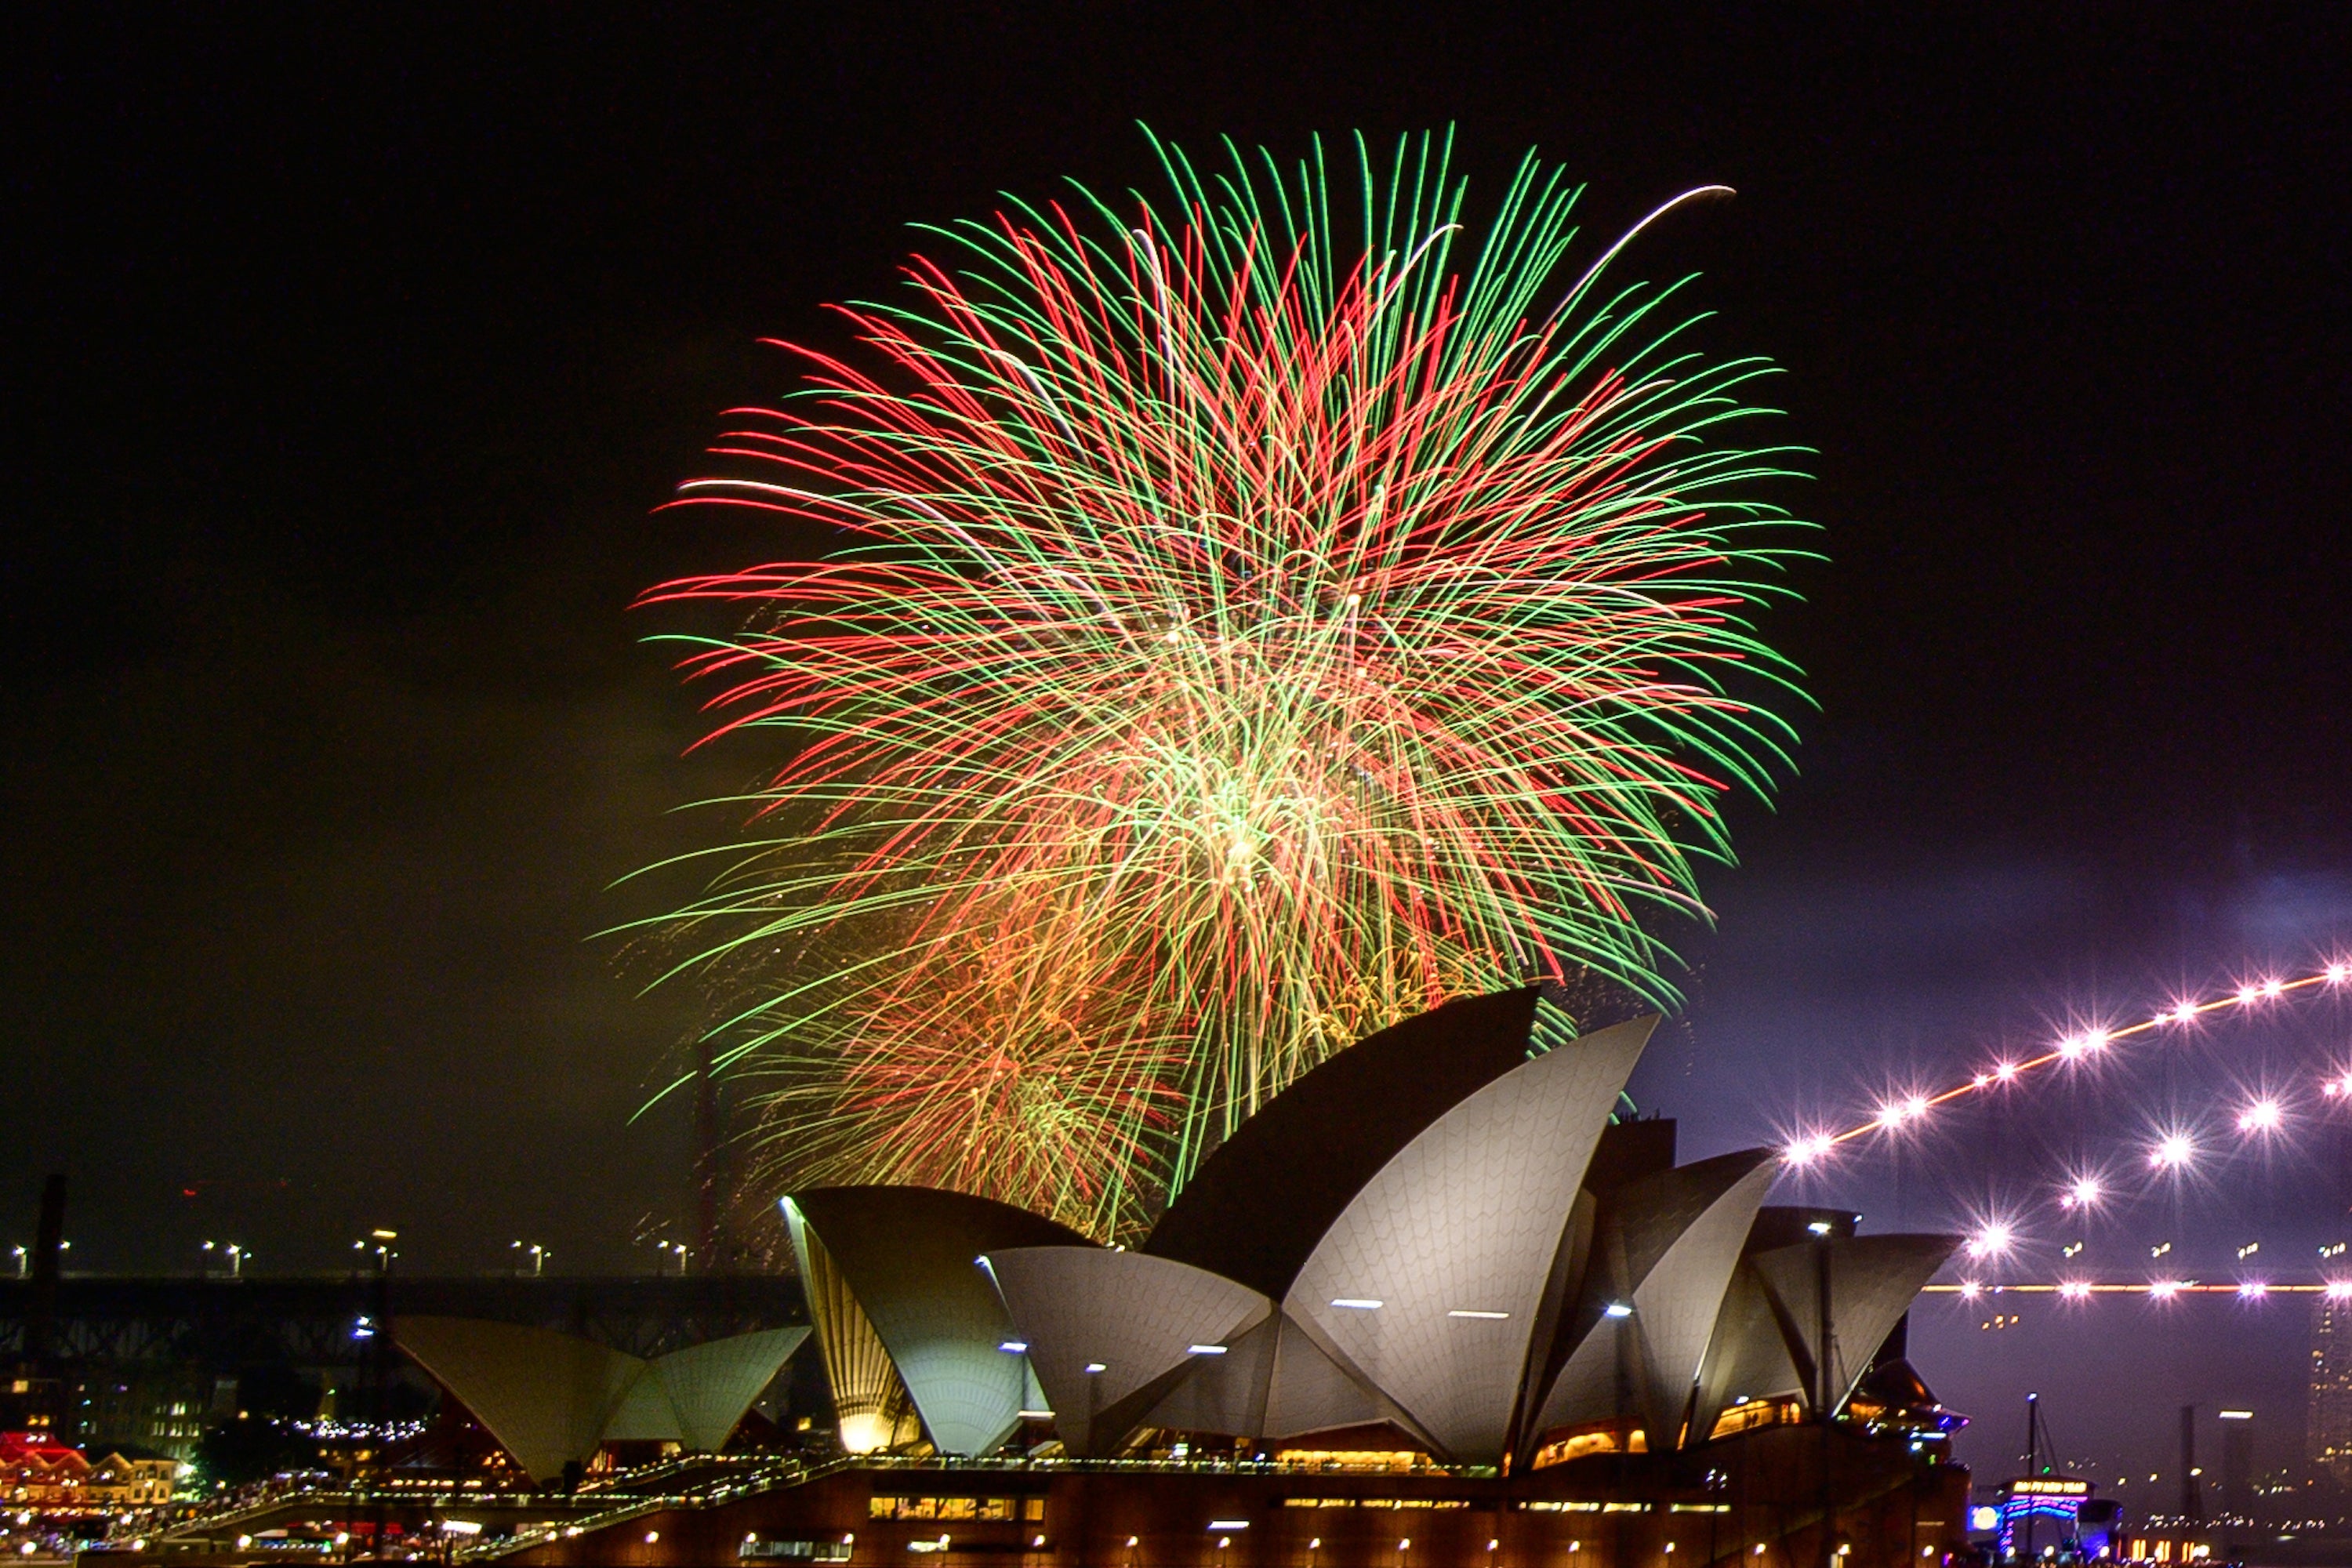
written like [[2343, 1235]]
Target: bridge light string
[[1900, 1112], [1995, 1238], [2084, 1191], [2155, 1289]]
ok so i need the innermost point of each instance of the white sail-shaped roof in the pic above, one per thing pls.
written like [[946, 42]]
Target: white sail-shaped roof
[[1274, 1381], [1260, 1203], [1220, 1390], [1133, 1317], [1873, 1280], [547, 1397], [1417, 1233], [553, 1399], [911, 1259], [1667, 1247], [710, 1385], [1176, 1346], [1452, 1241], [872, 1410], [1311, 1391], [1749, 1357]]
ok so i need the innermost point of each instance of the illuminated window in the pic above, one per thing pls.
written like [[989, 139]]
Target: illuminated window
[[996, 1509], [826, 1550], [1352, 1458], [1576, 1445]]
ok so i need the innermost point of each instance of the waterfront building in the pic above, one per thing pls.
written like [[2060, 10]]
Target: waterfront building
[[552, 1400], [1432, 1303], [1435, 1304], [39, 1473], [138, 1479]]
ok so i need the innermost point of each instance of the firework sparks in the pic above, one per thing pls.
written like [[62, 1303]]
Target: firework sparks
[[1236, 642]]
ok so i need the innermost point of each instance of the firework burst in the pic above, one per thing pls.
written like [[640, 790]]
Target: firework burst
[[1240, 638]]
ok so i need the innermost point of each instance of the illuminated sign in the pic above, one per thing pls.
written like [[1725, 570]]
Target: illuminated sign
[[2029, 1497]]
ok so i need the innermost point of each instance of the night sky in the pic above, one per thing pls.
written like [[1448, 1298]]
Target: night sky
[[347, 359]]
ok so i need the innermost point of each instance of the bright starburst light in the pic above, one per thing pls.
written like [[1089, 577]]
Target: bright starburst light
[[1995, 1239], [2262, 1116]]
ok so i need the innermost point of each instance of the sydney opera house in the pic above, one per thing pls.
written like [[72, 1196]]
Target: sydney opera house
[[1437, 1301]]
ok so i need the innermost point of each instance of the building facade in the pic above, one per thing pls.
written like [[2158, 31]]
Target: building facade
[[39, 1473], [1434, 1304], [1758, 1503], [2330, 1444]]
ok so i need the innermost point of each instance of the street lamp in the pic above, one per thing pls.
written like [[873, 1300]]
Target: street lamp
[[24, 1261], [539, 1256]]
